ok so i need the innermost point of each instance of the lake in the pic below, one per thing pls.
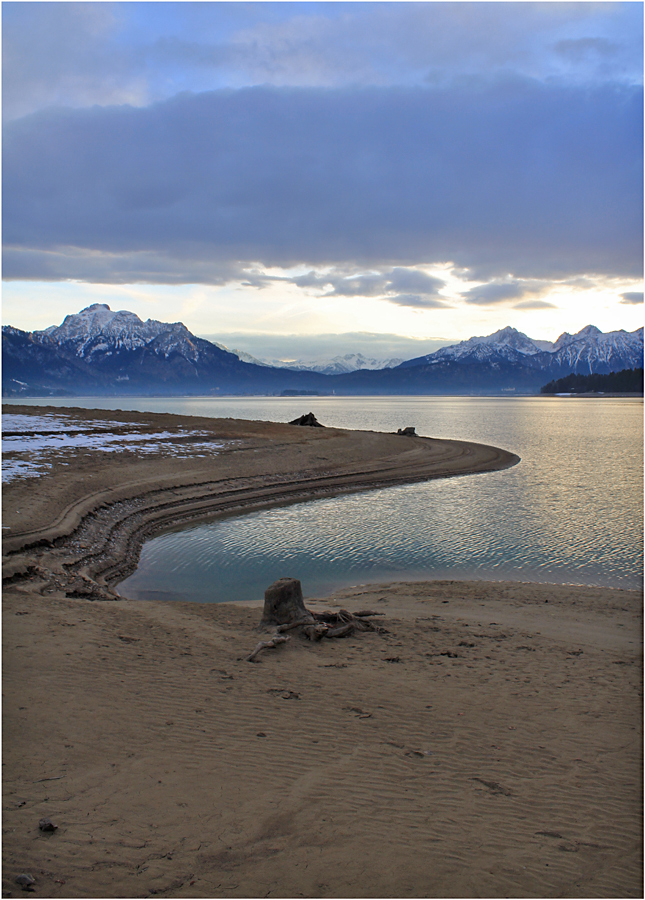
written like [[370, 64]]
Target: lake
[[570, 512]]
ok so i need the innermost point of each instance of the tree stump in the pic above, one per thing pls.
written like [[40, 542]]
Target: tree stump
[[285, 610], [283, 604], [309, 419]]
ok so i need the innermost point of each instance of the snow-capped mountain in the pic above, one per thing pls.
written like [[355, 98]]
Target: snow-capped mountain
[[98, 351], [341, 365], [588, 332], [507, 343], [337, 365], [99, 330], [592, 351], [588, 351], [244, 356]]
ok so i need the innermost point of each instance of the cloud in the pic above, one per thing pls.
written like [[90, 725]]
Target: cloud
[[319, 346], [582, 49], [536, 180], [66, 53], [358, 286], [80, 53], [413, 280], [377, 284], [418, 301], [401, 286], [114, 267], [499, 292], [535, 304], [489, 294], [311, 280], [630, 297]]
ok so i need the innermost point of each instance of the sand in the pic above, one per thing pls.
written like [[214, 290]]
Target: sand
[[486, 744]]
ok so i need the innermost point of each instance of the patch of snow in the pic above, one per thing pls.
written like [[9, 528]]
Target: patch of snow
[[34, 424], [107, 442], [31, 444], [20, 468]]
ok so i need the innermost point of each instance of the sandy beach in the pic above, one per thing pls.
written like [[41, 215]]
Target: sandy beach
[[485, 742]]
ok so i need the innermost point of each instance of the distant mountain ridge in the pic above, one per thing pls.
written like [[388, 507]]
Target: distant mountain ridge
[[588, 351], [342, 365], [337, 365], [99, 351]]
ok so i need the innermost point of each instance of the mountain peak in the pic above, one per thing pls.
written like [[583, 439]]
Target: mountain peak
[[98, 328], [589, 331], [509, 337]]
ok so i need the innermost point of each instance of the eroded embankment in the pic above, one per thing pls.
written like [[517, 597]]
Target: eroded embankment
[[79, 529]]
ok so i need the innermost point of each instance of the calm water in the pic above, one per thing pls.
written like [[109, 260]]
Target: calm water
[[571, 511]]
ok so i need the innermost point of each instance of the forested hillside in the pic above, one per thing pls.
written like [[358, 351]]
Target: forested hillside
[[627, 381]]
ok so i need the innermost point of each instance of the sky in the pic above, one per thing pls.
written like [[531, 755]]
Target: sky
[[398, 174]]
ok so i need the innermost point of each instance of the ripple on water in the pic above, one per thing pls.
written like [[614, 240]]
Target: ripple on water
[[571, 511]]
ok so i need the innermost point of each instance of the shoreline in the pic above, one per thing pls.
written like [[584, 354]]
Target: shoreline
[[486, 742], [90, 539], [341, 586]]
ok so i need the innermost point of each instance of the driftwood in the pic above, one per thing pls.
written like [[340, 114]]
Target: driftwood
[[266, 645]]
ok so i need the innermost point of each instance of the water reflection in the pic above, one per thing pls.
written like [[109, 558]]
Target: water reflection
[[570, 512]]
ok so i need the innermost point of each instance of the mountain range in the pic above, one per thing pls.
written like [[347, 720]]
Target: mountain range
[[101, 352], [337, 365]]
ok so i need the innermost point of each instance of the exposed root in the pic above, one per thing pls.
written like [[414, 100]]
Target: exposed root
[[341, 631], [289, 625], [266, 645], [358, 621], [326, 625], [316, 632]]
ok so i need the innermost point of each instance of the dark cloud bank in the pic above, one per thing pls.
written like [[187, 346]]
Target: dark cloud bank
[[512, 177]]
